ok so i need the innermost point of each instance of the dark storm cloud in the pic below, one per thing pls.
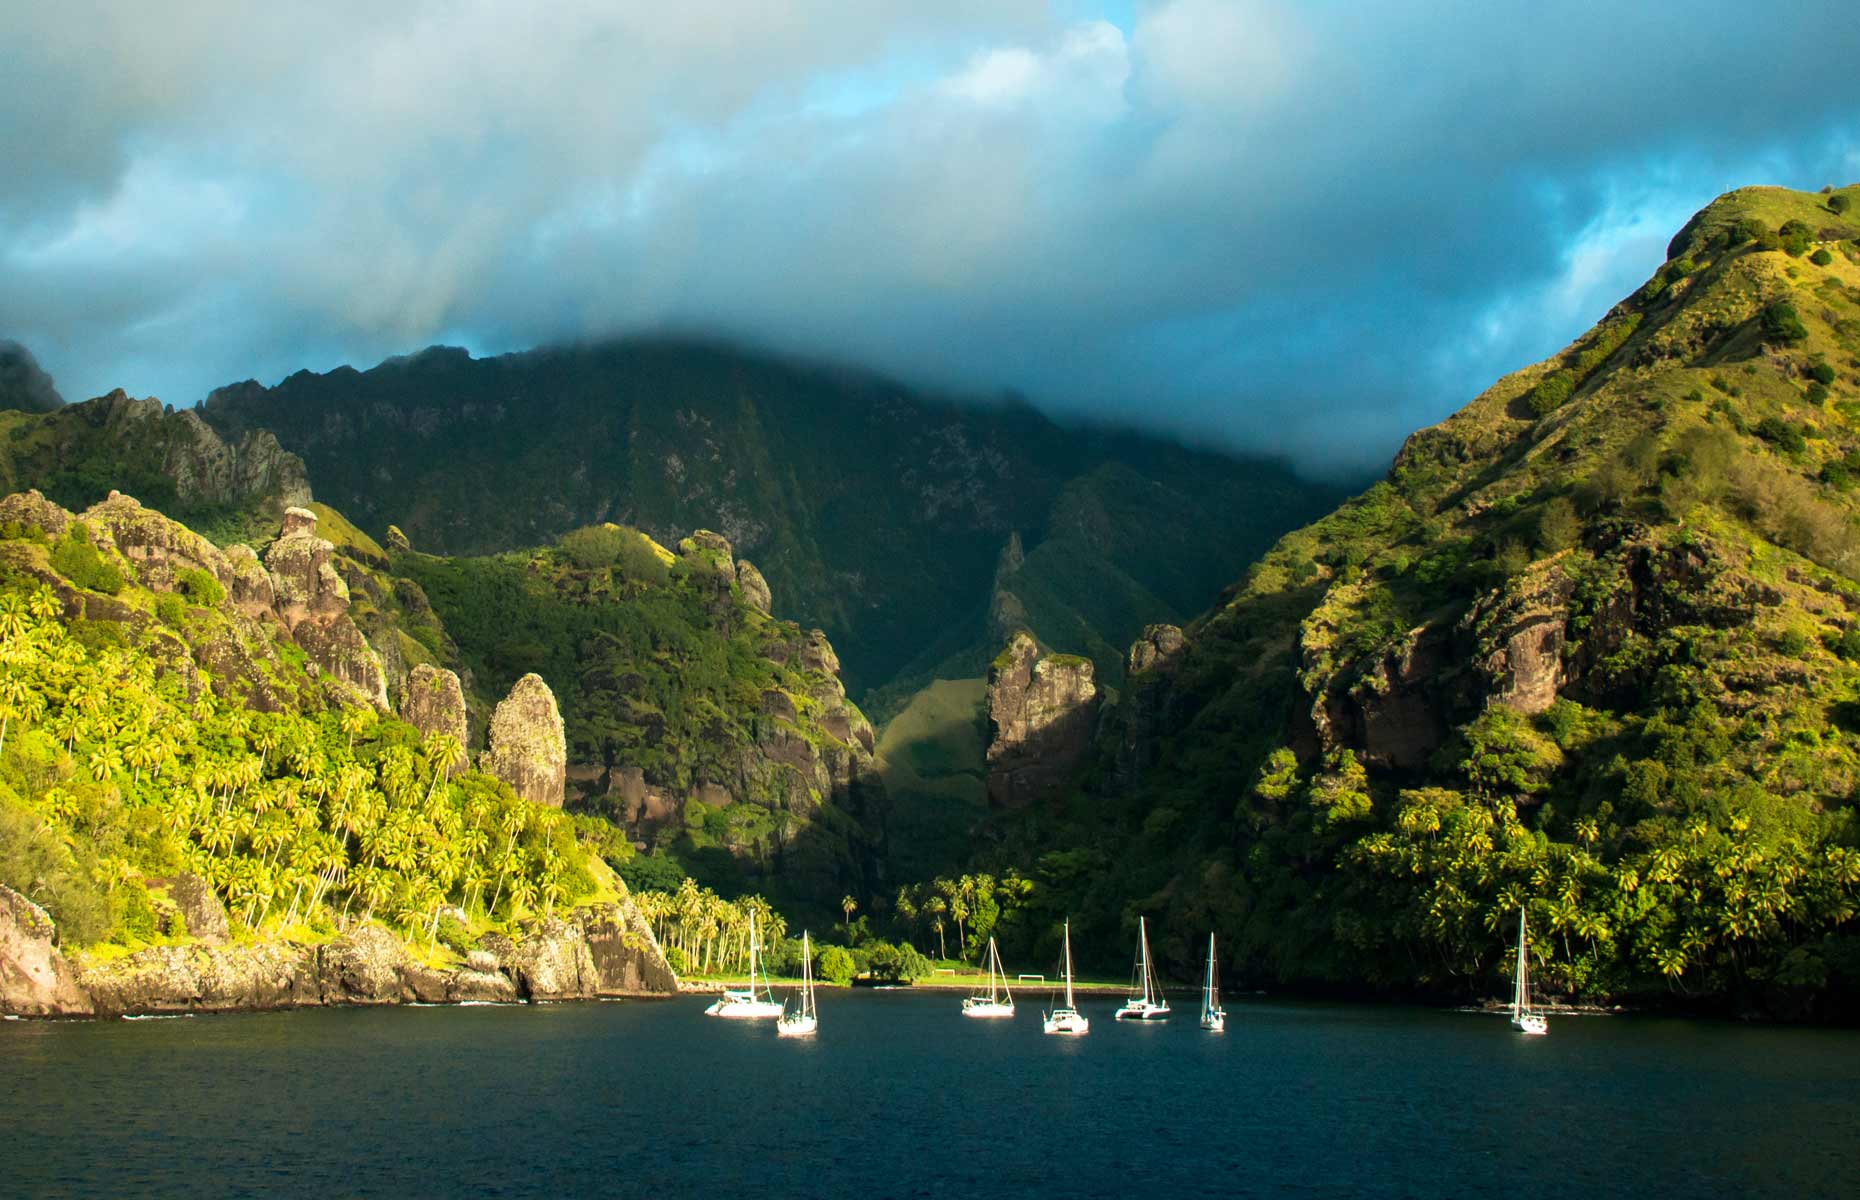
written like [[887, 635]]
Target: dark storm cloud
[[1300, 226]]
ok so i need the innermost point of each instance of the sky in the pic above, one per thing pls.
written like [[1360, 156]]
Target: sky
[[1294, 226]]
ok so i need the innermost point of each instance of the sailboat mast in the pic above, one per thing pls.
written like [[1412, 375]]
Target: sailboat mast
[[1068, 939], [1518, 992], [1142, 944]]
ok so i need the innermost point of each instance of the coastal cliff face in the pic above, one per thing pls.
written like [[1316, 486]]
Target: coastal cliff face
[[35, 979], [1042, 713], [603, 950]]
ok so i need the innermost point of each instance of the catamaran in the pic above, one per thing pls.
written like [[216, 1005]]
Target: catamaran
[[1213, 1016], [804, 1020], [998, 1002], [1150, 1005], [748, 1003], [1066, 1019], [1523, 1018]]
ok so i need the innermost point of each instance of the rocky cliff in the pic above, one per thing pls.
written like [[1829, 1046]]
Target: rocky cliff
[[527, 747], [77, 453], [433, 702], [604, 950], [676, 706], [1042, 712], [35, 978]]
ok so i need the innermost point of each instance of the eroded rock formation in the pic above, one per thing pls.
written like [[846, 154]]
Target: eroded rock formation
[[528, 749], [32, 508], [1042, 712], [754, 588], [35, 979], [159, 548], [433, 701], [312, 600], [1142, 715]]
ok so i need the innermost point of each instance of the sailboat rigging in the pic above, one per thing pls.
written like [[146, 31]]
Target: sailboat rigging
[[1149, 1004], [1524, 1018], [805, 1019], [997, 1001], [1213, 1016], [748, 1003], [1066, 1018]]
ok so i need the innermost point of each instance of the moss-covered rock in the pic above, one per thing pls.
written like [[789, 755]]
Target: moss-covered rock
[[527, 747], [433, 702]]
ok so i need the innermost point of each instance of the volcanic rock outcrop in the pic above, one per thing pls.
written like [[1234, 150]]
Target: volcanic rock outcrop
[[1042, 712], [432, 701], [313, 602], [528, 748], [35, 979]]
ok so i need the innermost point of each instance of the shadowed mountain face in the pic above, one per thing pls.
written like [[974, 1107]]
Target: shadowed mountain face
[[877, 513]]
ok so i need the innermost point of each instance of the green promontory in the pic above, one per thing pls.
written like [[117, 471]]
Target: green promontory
[[1591, 649]]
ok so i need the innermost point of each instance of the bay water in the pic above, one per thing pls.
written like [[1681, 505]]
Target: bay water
[[899, 1095]]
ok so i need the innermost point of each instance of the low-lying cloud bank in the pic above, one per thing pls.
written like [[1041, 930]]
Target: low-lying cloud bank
[[1303, 227]]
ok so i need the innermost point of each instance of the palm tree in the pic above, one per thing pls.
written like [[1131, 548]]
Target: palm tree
[[847, 905]]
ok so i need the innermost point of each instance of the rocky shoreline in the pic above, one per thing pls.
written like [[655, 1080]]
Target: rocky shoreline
[[593, 952]]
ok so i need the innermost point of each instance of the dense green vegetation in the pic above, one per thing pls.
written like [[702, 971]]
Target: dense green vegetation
[[705, 935], [1588, 650], [117, 770], [661, 668], [77, 454], [876, 513]]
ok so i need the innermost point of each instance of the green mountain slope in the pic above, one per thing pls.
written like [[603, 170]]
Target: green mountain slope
[[161, 726], [77, 454], [695, 721], [1591, 648], [876, 512]]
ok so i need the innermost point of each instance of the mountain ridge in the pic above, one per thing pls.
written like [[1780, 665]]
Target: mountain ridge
[[877, 512]]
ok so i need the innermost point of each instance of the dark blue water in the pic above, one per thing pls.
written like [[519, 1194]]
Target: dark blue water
[[901, 1096]]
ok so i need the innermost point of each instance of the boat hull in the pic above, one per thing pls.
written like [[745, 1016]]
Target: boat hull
[[1066, 1023], [986, 1008], [1142, 1011], [1531, 1024], [1214, 1022], [797, 1026], [744, 1010]]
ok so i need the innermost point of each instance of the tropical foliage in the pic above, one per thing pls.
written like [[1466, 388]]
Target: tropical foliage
[[118, 769], [1589, 651]]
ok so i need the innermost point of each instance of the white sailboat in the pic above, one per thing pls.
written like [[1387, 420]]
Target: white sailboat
[[1524, 1019], [1213, 1016], [748, 1003], [1066, 1019], [1150, 1005], [998, 1002], [805, 1019]]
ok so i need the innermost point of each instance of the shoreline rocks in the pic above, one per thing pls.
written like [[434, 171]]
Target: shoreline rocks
[[36, 980], [597, 951]]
